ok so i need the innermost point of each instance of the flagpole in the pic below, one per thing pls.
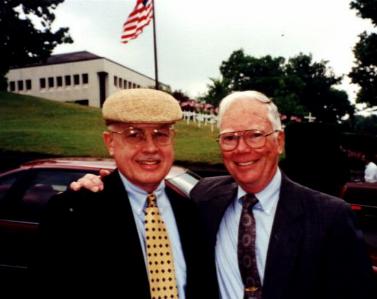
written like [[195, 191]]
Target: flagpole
[[155, 47]]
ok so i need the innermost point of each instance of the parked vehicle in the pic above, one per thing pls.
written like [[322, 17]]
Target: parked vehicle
[[25, 191], [362, 197]]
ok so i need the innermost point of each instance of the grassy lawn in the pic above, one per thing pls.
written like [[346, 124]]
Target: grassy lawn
[[30, 124]]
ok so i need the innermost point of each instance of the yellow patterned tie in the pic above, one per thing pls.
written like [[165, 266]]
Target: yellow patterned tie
[[162, 279]]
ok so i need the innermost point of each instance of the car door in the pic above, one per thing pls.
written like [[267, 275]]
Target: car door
[[23, 197]]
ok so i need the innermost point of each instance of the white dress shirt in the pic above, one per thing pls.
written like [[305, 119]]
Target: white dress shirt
[[138, 203], [228, 274], [370, 174]]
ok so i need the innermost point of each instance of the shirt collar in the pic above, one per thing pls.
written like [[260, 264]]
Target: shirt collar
[[266, 197], [138, 196]]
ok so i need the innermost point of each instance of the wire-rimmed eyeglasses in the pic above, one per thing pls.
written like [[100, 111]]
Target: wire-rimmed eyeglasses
[[137, 136], [253, 138]]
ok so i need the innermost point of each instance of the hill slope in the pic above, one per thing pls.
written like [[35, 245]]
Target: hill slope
[[30, 124]]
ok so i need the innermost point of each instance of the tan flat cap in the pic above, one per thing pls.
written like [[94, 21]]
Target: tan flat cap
[[141, 106]]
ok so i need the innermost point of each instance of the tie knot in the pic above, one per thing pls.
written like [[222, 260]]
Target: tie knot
[[151, 200], [249, 200]]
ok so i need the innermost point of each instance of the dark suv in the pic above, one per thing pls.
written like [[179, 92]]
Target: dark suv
[[363, 199]]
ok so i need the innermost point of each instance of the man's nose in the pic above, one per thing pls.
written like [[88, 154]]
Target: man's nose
[[149, 143], [242, 146]]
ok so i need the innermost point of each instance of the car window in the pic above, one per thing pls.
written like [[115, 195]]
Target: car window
[[42, 185], [363, 198], [6, 183]]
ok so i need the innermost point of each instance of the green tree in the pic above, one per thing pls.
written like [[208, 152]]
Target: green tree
[[313, 85], [298, 86], [366, 125], [246, 72], [365, 72], [26, 35], [180, 95], [217, 90]]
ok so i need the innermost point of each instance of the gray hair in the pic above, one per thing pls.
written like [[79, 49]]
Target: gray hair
[[252, 95]]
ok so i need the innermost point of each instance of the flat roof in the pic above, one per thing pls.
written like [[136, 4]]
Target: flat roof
[[64, 58], [76, 57]]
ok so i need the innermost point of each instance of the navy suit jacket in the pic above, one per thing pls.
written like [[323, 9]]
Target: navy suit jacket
[[315, 249], [89, 246]]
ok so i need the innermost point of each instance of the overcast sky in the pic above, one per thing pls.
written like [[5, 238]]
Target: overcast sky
[[195, 36]]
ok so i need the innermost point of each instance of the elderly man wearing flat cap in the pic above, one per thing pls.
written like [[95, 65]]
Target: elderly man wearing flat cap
[[135, 238]]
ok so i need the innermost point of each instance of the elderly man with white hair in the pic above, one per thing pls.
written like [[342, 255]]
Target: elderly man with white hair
[[271, 237]]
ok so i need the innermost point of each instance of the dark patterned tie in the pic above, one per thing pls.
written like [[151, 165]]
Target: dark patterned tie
[[161, 271], [246, 249]]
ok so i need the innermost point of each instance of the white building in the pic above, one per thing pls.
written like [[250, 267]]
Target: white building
[[79, 77]]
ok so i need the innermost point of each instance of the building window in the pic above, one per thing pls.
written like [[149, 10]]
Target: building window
[[20, 85], [76, 79], [129, 84], [67, 79], [133, 85], [115, 81], [84, 102], [51, 82], [120, 81], [28, 84], [42, 83], [12, 85], [125, 84], [59, 81], [85, 78]]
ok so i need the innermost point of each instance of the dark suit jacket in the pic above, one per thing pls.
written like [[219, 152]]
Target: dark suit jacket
[[315, 248], [89, 246]]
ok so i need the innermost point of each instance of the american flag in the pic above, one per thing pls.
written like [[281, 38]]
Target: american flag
[[137, 20]]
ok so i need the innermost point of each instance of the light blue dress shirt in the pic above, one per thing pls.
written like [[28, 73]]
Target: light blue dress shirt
[[228, 274], [138, 203]]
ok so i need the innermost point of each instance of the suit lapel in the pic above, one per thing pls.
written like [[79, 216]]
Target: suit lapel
[[122, 230], [285, 236], [187, 230], [201, 277], [181, 215], [186, 222], [218, 204]]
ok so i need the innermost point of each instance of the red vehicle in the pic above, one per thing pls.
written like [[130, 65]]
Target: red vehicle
[[362, 197], [25, 191]]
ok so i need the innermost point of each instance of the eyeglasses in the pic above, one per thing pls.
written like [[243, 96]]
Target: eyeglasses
[[136, 136], [253, 138]]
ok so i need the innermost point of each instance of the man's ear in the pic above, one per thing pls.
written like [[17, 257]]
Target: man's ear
[[281, 141], [109, 142]]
